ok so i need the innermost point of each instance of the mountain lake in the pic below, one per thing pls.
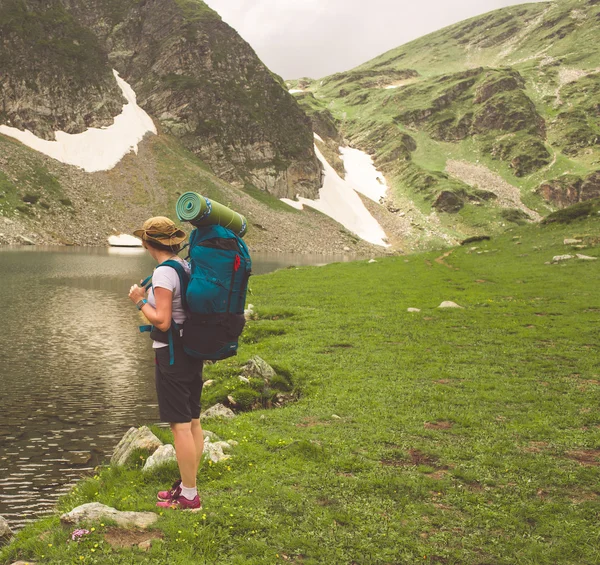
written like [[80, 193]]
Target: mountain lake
[[75, 371]]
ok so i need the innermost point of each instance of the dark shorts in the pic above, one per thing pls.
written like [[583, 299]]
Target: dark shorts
[[178, 386]]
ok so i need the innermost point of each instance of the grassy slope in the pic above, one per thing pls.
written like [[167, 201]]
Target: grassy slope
[[464, 436], [539, 41]]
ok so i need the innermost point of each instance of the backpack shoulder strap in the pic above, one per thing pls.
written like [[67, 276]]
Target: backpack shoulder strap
[[183, 278]]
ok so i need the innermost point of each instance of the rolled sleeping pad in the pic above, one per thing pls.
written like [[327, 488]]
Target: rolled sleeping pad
[[201, 211]]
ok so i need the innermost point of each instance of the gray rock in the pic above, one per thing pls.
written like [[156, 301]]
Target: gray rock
[[449, 304], [135, 438], [571, 241], [560, 258], [258, 368], [209, 436], [218, 411], [249, 312], [163, 455], [96, 512], [214, 451], [24, 563], [335, 417], [5, 531], [209, 383], [224, 445], [244, 379], [24, 240], [413, 310], [372, 261], [586, 257]]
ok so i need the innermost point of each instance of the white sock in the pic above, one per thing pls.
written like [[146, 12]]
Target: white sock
[[189, 493]]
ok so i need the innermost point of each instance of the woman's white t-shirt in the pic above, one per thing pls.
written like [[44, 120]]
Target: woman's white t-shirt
[[167, 277]]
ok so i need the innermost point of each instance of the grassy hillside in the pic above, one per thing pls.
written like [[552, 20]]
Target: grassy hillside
[[516, 91], [465, 436], [49, 202]]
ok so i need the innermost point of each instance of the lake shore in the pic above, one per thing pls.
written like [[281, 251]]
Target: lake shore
[[462, 435]]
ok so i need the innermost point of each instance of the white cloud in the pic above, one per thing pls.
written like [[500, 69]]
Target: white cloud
[[319, 37]]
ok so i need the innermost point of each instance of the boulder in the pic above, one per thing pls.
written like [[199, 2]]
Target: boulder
[[249, 312], [413, 310], [218, 411], [163, 455], [447, 201], [96, 512], [209, 436], [24, 240], [586, 257], [449, 304], [23, 563], [5, 531], [571, 241], [215, 451], [135, 438], [474, 239], [561, 258], [258, 368]]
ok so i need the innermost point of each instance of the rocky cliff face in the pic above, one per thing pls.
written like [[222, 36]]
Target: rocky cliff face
[[55, 73], [191, 72]]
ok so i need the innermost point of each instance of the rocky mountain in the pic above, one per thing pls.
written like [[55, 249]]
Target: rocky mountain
[[490, 121], [201, 82]]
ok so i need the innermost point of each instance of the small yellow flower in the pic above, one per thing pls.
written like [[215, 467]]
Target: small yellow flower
[[49, 545], [102, 525], [92, 529]]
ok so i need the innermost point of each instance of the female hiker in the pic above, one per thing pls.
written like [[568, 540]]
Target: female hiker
[[178, 376]]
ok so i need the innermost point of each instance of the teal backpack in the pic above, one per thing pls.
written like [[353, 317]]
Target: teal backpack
[[214, 295]]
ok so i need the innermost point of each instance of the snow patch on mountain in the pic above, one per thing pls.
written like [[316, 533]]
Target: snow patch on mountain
[[362, 175], [338, 200], [96, 149]]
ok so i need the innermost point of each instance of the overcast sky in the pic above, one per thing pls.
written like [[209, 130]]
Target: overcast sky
[[315, 38]]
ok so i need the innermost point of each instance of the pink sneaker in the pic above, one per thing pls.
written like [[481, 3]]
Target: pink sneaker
[[182, 503], [168, 495]]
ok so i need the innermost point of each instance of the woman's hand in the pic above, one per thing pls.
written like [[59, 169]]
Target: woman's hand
[[137, 293]]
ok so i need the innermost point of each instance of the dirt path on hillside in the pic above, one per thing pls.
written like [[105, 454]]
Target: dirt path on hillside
[[509, 196], [567, 76]]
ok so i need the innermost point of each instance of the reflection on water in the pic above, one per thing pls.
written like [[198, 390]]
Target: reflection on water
[[75, 372]]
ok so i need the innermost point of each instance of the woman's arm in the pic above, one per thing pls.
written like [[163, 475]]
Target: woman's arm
[[160, 317]]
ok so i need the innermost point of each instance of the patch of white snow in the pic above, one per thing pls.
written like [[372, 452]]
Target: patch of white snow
[[362, 175], [318, 137], [338, 200], [96, 149], [124, 240], [295, 90], [293, 203]]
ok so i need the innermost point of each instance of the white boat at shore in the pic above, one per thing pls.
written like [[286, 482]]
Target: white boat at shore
[[124, 240]]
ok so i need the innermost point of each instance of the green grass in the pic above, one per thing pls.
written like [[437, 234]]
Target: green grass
[[464, 436], [484, 90]]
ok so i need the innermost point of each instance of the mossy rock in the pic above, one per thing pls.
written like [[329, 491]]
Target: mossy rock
[[578, 211]]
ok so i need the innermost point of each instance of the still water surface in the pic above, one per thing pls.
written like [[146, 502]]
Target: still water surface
[[75, 373]]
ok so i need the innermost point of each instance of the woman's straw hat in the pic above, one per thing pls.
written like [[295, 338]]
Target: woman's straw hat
[[161, 230]]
